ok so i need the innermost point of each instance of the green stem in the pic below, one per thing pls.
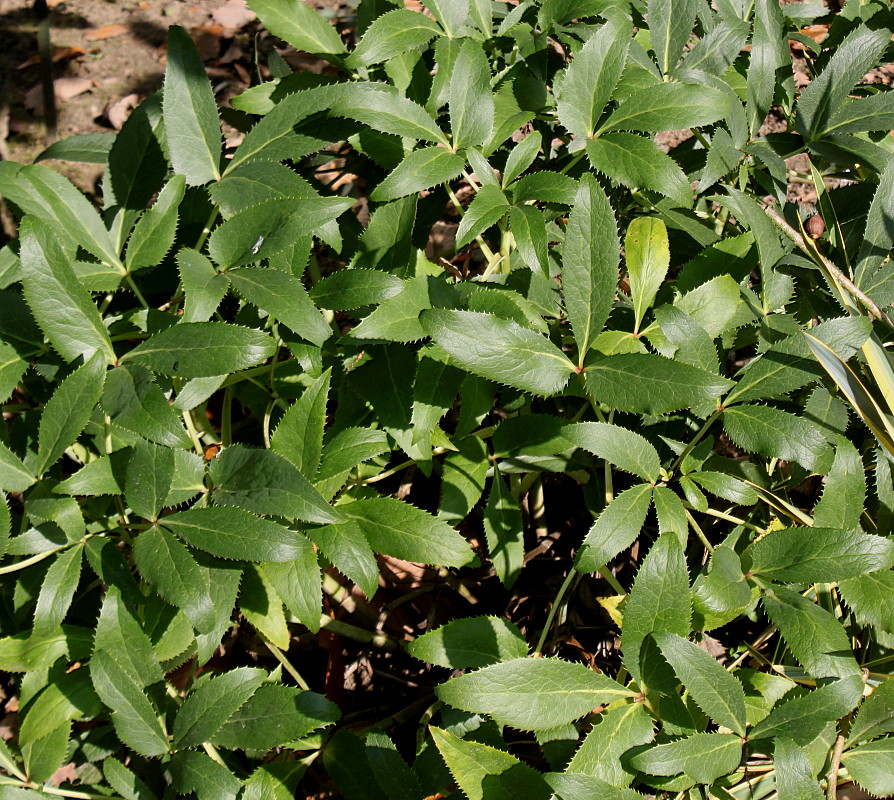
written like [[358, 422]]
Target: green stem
[[135, 290], [698, 531], [29, 561], [572, 577], [226, 418], [286, 664], [695, 440], [612, 581]]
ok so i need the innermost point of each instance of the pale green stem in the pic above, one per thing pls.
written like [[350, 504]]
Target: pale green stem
[[286, 664], [566, 585]]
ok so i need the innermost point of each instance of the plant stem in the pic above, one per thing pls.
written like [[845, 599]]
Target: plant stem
[[695, 440], [226, 418], [832, 786], [287, 665], [570, 578], [612, 581]]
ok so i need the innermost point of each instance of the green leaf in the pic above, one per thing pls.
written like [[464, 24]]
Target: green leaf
[[592, 76], [794, 775], [90, 148], [871, 599], [123, 781], [393, 33], [776, 434], [715, 691], [499, 350], [150, 472], [712, 305], [623, 448], [266, 483], [136, 403], [24, 652], [485, 773], [14, 475], [255, 183], [520, 158], [872, 766], [345, 545], [299, 584], [70, 696], [420, 170], [602, 754], [875, 716], [203, 285], [485, 210], [670, 26], [468, 643], [504, 531], [575, 786], [667, 107], [383, 109], [207, 708], [299, 435], [647, 253], [769, 57], [726, 486], [192, 128], [154, 233], [844, 494], [348, 289], [873, 113], [68, 411], [714, 52], [53, 199], [57, 590], [531, 693], [197, 772], [350, 447], [616, 528], [590, 263], [814, 636], [529, 230], [462, 479], [61, 307], [12, 368], [234, 533], [852, 59], [133, 714], [262, 607], [703, 757], [469, 97], [819, 555], [202, 349], [548, 187], [404, 531], [658, 602], [802, 719], [119, 632], [275, 716], [299, 25], [263, 230], [650, 384], [285, 298], [878, 239], [171, 568]]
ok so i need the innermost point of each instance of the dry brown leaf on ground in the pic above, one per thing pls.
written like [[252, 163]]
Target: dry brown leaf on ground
[[106, 32], [118, 111], [207, 39], [59, 53], [65, 89], [233, 15]]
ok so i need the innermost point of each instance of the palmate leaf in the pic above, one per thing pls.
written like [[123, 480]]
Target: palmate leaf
[[531, 693], [192, 127], [499, 350]]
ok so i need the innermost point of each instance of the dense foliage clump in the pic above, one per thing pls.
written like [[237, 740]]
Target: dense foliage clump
[[304, 437]]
